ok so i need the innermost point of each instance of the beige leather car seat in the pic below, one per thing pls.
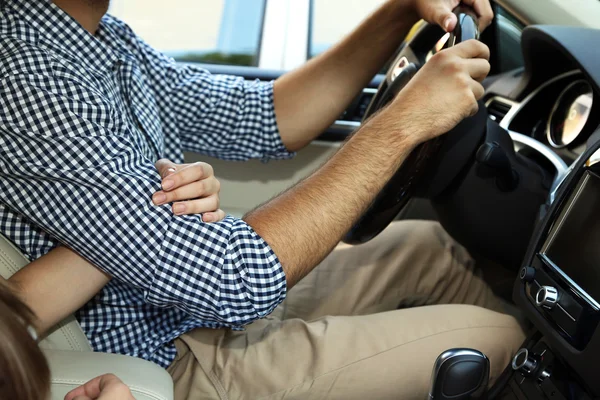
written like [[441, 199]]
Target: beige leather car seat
[[70, 356]]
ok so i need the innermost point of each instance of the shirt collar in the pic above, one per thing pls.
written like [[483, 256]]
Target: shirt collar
[[66, 35]]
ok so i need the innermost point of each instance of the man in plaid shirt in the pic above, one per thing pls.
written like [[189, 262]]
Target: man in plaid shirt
[[86, 109]]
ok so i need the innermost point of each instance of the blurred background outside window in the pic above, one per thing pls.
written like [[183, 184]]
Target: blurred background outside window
[[331, 20], [230, 31], [208, 31]]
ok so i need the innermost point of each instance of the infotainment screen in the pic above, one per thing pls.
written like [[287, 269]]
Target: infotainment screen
[[574, 242]]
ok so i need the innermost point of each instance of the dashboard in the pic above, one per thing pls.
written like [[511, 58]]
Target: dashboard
[[559, 290], [554, 101], [554, 98], [526, 183], [561, 113]]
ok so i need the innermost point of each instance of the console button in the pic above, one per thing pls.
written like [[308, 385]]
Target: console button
[[527, 274], [545, 374], [547, 297]]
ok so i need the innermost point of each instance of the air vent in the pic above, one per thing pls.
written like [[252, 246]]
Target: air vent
[[497, 109], [358, 108]]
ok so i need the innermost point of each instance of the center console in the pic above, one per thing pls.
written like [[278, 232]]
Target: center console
[[559, 291], [563, 281]]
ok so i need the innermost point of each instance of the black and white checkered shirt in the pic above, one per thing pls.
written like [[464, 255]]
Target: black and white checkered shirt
[[83, 119]]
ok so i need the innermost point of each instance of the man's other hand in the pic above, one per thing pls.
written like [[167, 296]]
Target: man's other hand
[[105, 387], [444, 92], [192, 188], [440, 12]]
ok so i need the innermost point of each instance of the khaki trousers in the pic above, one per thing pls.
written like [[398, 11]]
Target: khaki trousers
[[368, 323]]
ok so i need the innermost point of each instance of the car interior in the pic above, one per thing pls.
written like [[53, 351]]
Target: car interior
[[517, 184]]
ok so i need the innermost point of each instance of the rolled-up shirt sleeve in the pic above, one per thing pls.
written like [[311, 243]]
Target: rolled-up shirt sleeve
[[68, 167], [221, 116]]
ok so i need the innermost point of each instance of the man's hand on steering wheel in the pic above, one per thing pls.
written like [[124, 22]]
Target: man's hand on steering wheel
[[440, 12], [445, 91], [192, 188]]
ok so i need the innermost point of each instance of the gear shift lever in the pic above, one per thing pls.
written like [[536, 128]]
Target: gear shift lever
[[460, 374]]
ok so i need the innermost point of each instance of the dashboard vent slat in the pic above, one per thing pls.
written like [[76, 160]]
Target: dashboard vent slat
[[357, 110], [498, 109]]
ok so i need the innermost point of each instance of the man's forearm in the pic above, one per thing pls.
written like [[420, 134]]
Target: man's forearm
[[308, 100], [305, 223]]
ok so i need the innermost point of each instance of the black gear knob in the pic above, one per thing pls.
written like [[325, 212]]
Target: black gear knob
[[460, 374]]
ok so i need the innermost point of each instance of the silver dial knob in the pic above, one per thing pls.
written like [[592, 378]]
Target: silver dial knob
[[547, 297], [523, 363]]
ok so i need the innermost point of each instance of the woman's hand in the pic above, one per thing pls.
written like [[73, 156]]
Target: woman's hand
[[192, 188], [105, 387]]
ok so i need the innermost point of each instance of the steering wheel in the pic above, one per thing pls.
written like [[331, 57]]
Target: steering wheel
[[409, 177]]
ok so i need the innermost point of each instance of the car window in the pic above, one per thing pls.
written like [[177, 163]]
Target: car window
[[208, 31], [331, 20], [509, 30]]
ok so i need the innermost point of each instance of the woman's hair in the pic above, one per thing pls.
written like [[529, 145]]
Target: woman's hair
[[24, 372]]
